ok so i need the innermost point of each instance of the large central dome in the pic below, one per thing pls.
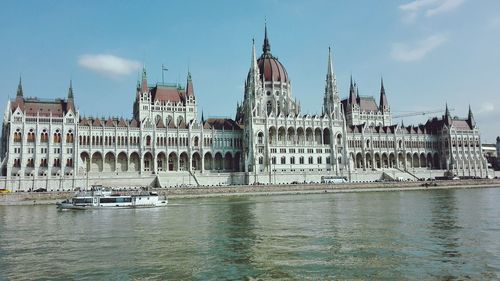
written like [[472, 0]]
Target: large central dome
[[270, 68]]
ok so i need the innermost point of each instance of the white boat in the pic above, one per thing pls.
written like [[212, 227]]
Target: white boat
[[99, 198]]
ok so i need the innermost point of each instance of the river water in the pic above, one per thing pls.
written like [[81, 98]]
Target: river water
[[411, 235]]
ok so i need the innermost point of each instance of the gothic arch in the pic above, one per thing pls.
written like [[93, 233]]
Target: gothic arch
[[281, 135], [317, 136], [291, 135], [96, 163], [218, 161], [134, 161], [148, 161], [378, 161], [208, 161], [272, 135], [392, 160], [196, 161], [300, 136], [228, 161], [161, 161], [122, 162], [237, 160], [109, 162], [415, 160], [326, 136], [183, 162], [172, 162], [309, 136], [86, 160]]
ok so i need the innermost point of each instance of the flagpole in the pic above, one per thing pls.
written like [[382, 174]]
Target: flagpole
[[162, 78]]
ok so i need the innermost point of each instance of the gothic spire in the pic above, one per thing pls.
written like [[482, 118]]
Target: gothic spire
[[447, 116], [383, 105], [20, 88], [352, 93], [70, 90], [266, 47], [331, 87], [254, 58], [144, 80], [189, 86], [330, 67], [470, 118]]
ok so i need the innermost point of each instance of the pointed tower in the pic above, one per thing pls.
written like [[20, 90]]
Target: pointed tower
[[20, 94], [352, 94], [20, 88], [266, 47], [71, 101], [447, 116], [189, 86], [470, 118], [144, 81], [331, 98], [246, 110], [383, 104]]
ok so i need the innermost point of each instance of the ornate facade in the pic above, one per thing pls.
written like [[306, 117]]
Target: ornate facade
[[46, 143]]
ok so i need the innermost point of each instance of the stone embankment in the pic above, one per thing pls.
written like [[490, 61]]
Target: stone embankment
[[33, 198]]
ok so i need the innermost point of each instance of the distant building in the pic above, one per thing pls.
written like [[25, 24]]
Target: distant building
[[48, 144]]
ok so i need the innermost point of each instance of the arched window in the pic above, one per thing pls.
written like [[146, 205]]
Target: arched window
[[269, 107], [31, 136]]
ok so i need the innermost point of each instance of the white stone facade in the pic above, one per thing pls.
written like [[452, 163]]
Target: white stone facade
[[47, 144]]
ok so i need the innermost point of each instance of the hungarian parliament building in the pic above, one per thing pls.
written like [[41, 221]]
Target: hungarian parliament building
[[48, 144]]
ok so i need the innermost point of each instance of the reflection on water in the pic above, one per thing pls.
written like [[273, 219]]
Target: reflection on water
[[422, 235]]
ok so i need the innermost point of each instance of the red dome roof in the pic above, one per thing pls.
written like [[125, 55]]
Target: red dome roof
[[271, 69]]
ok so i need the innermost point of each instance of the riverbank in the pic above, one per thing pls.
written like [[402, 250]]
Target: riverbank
[[37, 198]]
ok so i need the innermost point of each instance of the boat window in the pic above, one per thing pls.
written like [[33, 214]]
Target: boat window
[[115, 199], [82, 201]]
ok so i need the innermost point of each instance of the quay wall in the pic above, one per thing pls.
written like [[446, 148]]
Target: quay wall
[[30, 198]]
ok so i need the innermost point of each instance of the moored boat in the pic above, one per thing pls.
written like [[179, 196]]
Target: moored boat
[[99, 198]]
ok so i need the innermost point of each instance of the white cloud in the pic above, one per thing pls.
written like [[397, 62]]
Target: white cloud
[[444, 7], [428, 7], [109, 65], [416, 51]]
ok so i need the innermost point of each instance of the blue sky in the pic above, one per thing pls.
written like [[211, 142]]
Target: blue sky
[[429, 52]]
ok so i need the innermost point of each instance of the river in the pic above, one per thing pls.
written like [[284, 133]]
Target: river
[[411, 235]]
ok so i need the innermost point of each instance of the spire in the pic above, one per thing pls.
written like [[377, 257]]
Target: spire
[[189, 86], [144, 80], [331, 94], [470, 118], [20, 88], [253, 73], [254, 59], [383, 104], [70, 90], [266, 47], [202, 117], [447, 116], [330, 66], [352, 93]]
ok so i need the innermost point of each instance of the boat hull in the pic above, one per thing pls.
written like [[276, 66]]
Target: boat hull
[[69, 206]]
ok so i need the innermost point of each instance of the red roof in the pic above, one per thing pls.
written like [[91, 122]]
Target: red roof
[[35, 106], [167, 93], [271, 69]]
